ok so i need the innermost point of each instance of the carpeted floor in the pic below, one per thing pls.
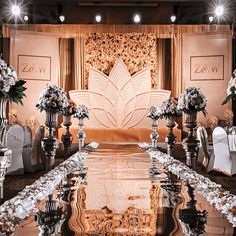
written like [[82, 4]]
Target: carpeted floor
[[14, 184]]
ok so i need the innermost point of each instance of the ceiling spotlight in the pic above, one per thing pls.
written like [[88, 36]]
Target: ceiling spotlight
[[137, 18], [15, 10], [211, 18], [219, 10], [62, 18], [98, 18], [173, 18], [26, 18]]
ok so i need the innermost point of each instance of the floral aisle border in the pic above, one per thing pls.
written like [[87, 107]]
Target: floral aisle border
[[224, 201], [138, 51], [13, 211]]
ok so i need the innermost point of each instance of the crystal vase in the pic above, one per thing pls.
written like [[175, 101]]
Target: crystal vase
[[191, 144], [170, 138], [154, 135], [50, 143], [67, 136]]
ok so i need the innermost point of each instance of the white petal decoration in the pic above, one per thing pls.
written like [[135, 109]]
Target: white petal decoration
[[119, 100]]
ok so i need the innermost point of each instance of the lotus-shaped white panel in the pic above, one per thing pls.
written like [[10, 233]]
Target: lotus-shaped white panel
[[119, 100]]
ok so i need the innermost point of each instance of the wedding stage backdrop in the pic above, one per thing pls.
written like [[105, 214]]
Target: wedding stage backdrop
[[82, 47]]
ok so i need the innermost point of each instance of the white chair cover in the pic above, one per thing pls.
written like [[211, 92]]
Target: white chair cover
[[14, 141], [206, 154], [201, 130], [32, 156], [223, 160], [27, 136]]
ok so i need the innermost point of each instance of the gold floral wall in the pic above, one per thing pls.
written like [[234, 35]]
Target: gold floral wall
[[138, 51]]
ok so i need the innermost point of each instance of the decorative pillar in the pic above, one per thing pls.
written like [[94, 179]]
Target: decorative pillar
[[50, 144], [154, 135], [67, 136], [191, 144], [170, 138], [81, 114]]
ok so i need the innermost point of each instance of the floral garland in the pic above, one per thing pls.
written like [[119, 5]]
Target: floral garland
[[169, 109], [13, 211], [82, 112], [154, 113], [231, 90], [223, 201], [192, 100], [52, 99], [11, 89]]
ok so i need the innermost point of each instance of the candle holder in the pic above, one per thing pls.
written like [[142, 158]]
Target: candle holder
[[67, 137], [154, 135], [81, 114], [50, 144], [191, 144], [154, 114], [170, 138]]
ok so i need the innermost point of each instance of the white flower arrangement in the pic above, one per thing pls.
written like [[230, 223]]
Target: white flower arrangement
[[231, 90], [13, 211], [70, 109], [154, 113], [52, 99], [8, 76], [223, 201], [11, 89], [192, 100], [169, 109], [81, 112]]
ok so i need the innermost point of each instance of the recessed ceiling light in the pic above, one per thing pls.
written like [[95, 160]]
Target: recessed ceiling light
[[211, 18], [137, 18], [62, 18], [98, 18], [26, 18], [15, 10], [219, 10], [173, 18]]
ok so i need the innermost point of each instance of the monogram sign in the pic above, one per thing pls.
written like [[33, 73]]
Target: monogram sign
[[207, 67], [34, 67]]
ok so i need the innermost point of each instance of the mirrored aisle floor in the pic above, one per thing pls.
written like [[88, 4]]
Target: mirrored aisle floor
[[118, 190]]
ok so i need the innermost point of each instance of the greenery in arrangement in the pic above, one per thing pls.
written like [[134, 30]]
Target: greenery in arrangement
[[154, 113], [52, 99], [231, 90], [192, 100], [169, 109], [11, 89]]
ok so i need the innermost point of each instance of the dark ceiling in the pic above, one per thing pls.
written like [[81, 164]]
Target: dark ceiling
[[120, 12]]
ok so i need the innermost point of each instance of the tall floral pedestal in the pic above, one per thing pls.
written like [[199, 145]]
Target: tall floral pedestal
[[81, 134], [191, 144], [67, 136], [154, 135], [5, 153], [170, 138], [50, 144]]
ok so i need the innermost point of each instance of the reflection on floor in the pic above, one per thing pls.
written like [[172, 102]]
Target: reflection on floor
[[119, 191]]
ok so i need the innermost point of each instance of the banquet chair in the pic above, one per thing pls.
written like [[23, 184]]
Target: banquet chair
[[14, 141], [223, 161], [33, 154], [205, 154]]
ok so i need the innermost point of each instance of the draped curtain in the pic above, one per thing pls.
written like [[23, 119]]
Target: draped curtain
[[73, 40]]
